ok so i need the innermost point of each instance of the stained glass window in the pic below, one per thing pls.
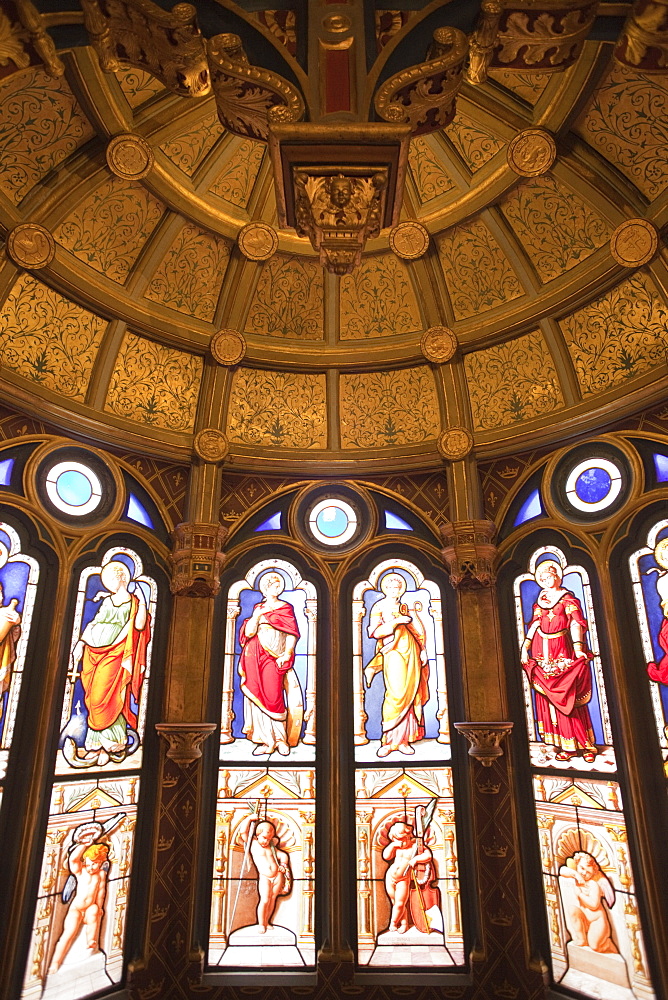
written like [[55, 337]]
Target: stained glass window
[[649, 574], [407, 871], [264, 868], [78, 932], [19, 574]]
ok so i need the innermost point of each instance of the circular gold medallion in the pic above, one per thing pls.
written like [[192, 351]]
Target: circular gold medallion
[[634, 243], [337, 23], [532, 152], [257, 241], [211, 445], [129, 156], [227, 347], [409, 240], [455, 443], [30, 245], [438, 344]]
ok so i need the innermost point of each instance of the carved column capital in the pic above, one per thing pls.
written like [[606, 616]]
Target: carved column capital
[[197, 559], [469, 552], [485, 739], [185, 739]]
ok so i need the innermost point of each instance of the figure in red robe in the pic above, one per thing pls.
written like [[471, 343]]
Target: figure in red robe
[[273, 707], [556, 661]]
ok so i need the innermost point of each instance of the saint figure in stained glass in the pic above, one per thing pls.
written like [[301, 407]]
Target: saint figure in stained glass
[[10, 631]]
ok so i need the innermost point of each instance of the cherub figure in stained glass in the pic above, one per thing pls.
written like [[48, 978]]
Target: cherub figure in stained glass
[[586, 888]]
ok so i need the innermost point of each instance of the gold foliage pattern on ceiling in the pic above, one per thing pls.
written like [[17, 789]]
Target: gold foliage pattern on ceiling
[[188, 148], [528, 86], [627, 122], [619, 336], [512, 382], [278, 409], [378, 300], [191, 274], [555, 226], [138, 86], [385, 409], [108, 230], [40, 124], [289, 299], [430, 175], [154, 385], [48, 339], [235, 182], [478, 273], [474, 144]]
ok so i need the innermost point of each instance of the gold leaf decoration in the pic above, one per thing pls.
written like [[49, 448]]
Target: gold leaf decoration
[[619, 336], [288, 300], [555, 226], [236, 181], [189, 148], [190, 276], [12, 37], [512, 382], [154, 384], [528, 86], [138, 85], [474, 144], [377, 300], [429, 173], [388, 408], [627, 122], [478, 273], [286, 409], [40, 124], [49, 339], [110, 227]]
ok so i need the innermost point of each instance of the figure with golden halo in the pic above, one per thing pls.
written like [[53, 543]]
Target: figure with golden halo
[[401, 654], [556, 661], [273, 706]]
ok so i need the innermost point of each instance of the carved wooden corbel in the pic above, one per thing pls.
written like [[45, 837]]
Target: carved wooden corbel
[[41, 40], [185, 739], [483, 41], [138, 33], [643, 42], [197, 559], [249, 98], [469, 553], [485, 739], [424, 95], [543, 36]]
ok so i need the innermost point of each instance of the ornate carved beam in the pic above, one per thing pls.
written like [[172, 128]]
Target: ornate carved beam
[[643, 42], [138, 33], [249, 98], [424, 95], [543, 37]]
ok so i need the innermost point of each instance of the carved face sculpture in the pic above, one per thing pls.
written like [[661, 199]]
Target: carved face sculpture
[[340, 191]]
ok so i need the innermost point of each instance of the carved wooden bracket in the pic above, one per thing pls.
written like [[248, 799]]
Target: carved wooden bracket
[[485, 739], [249, 98], [469, 553], [483, 41], [41, 40], [185, 739], [643, 42], [138, 33], [424, 95], [197, 559], [543, 36]]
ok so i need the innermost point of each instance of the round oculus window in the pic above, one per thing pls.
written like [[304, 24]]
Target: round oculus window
[[593, 485], [73, 488], [332, 521]]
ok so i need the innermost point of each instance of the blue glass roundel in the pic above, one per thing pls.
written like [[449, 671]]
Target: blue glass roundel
[[593, 485], [74, 488], [332, 521]]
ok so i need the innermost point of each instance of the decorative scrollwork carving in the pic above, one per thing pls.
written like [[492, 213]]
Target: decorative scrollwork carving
[[249, 98], [138, 33], [543, 38], [197, 559], [424, 95], [485, 739], [643, 41], [469, 553], [185, 739]]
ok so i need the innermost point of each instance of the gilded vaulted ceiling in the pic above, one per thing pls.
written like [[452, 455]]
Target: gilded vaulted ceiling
[[112, 337]]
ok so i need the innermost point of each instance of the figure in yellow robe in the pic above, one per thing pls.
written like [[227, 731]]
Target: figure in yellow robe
[[402, 656]]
